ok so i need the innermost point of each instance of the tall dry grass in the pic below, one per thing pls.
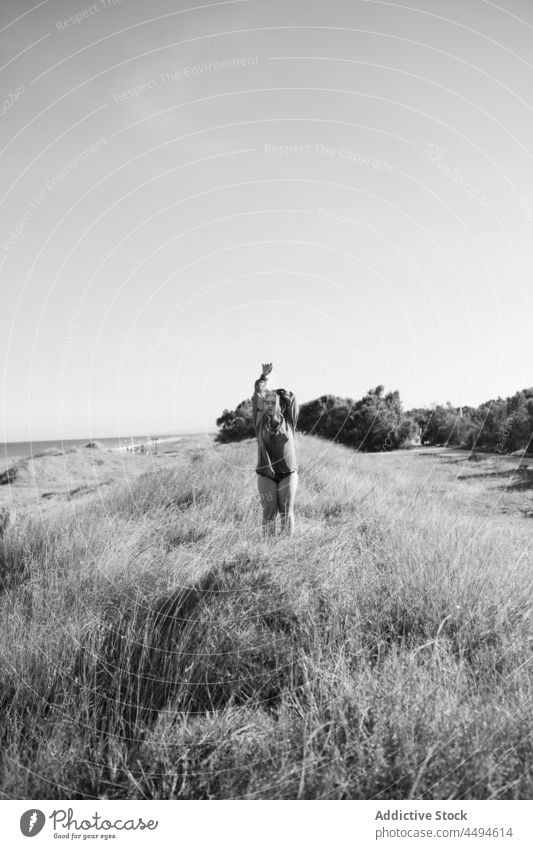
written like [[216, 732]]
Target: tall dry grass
[[153, 645]]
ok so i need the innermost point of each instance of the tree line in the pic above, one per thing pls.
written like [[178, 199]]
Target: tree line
[[377, 422]]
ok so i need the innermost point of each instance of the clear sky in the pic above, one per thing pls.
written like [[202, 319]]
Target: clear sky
[[189, 189]]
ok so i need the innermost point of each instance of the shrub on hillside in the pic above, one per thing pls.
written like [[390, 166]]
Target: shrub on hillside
[[502, 424], [374, 423], [237, 424]]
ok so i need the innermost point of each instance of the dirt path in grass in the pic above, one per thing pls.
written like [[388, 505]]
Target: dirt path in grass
[[487, 483]]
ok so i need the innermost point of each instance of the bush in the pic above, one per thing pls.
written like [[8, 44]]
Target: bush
[[237, 424], [374, 423]]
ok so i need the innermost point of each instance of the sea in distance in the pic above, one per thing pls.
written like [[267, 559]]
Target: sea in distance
[[18, 450]]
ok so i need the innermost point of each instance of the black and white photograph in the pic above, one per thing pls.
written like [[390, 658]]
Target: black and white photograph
[[266, 397]]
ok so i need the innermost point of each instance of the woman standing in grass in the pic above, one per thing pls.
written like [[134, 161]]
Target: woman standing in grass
[[275, 414]]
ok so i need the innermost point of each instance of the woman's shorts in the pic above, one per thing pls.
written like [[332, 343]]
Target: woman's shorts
[[278, 476]]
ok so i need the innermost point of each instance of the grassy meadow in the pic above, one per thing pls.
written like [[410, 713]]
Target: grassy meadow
[[154, 646]]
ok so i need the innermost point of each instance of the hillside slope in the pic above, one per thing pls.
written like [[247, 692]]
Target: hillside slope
[[155, 646]]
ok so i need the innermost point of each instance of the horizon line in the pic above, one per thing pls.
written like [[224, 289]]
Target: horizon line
[[187, 431]]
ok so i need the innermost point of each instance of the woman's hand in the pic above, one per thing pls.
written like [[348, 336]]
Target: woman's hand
[[266, 369]]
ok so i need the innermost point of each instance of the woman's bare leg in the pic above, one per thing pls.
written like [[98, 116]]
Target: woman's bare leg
[[286, 496], [269, 501]]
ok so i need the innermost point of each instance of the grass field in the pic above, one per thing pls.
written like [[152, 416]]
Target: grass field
[[154, 646]]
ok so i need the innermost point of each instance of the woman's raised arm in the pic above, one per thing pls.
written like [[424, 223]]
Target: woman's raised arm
[[259, 388], [290, 407]]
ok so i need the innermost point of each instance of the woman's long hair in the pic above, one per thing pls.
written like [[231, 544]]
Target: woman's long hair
[[284, 399]]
